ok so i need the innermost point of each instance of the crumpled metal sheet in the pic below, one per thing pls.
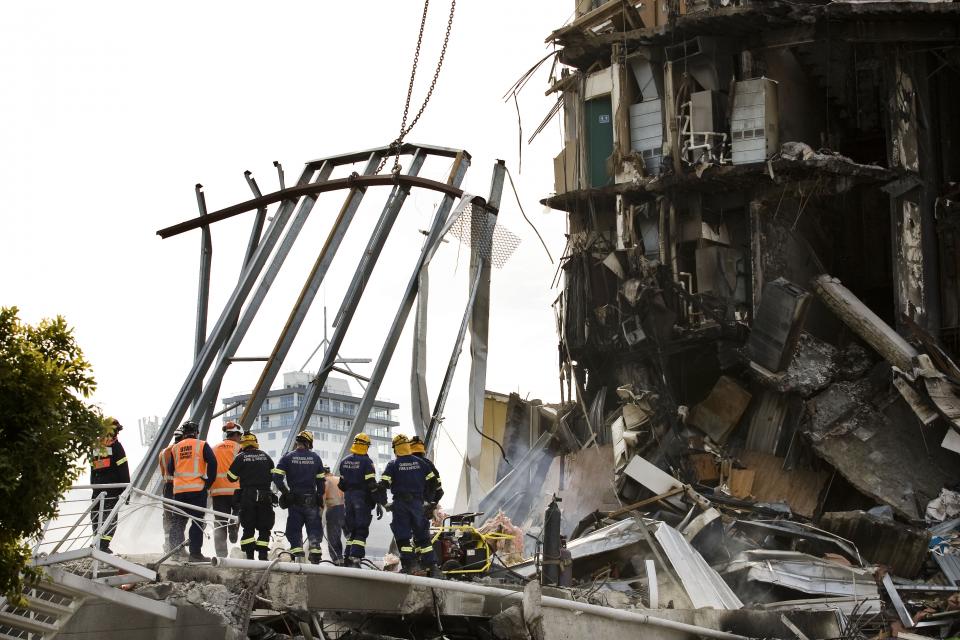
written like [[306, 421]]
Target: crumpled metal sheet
[[704, 585], [804, 573]]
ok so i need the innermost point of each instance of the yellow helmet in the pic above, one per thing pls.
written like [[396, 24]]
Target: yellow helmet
[[401, 445], [416, 445], [249, 440], [360, 444], [306, 438]]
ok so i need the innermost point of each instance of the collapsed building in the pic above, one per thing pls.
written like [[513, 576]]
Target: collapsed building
[[759, 414]]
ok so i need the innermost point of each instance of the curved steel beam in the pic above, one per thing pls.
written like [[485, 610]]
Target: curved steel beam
[[295, 193]]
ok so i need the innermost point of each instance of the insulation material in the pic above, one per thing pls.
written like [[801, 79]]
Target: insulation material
[[510, 551], [721, 411], [804, 573]]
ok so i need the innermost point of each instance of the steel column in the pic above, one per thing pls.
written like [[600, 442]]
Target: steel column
[[307, 295], [430, 245], [352, 298], [217, 337], [203, 287], [205, 413]]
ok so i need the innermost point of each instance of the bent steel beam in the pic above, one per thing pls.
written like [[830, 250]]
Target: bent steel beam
[[308, 293], [351, 182], [218, 336], [430, 245], [352, 299]]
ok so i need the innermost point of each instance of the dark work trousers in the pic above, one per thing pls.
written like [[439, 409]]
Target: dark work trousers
[[408, 531], [168, 517], [109, 502], [359, 513], [304, 510], [256, 520], [334, 517], [197, 499], [224, 504]]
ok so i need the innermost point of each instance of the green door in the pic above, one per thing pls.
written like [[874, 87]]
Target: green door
[[599, 119]]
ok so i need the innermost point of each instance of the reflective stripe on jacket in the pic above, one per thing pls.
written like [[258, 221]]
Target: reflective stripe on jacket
[[190, 469], [225, 452]]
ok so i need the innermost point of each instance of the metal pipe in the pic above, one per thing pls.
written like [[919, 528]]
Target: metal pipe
[[351, 299], [457, 172], [475, 589]]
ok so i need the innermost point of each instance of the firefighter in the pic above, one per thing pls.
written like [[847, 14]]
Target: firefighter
[[409, 479], [302, 469], [253, 468], [194, 468], [358, 481], [333, 515], [108, 465], [163, 461], [222, 490], [418, 449]]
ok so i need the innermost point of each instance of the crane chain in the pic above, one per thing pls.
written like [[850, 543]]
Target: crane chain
[[396, 145]]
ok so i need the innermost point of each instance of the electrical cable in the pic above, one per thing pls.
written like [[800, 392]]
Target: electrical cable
[[524, 213]]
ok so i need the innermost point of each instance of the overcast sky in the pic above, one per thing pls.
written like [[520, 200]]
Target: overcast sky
[[110, 112]]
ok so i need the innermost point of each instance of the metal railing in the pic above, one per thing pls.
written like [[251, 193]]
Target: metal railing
[[83, 530]]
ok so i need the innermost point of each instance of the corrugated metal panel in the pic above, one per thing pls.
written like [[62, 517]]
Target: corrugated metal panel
[[950, 565], [703, 585], [805, 573]]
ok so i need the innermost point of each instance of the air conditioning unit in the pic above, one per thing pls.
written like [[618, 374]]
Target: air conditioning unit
[[646, 133], [755, 121]]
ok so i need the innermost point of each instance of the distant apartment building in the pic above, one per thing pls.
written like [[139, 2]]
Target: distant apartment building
[[330, 422]]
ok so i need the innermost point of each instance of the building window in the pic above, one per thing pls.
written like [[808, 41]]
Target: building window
[[272, 435], [264, 421]]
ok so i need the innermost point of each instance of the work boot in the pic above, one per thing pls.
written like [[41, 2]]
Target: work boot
[[232, 534], [315, 558], [434, 571], [262, 554], [197, 557], [249, 554]]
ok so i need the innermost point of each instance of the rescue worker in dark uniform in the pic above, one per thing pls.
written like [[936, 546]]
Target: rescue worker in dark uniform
[[358, 481], [163, 462], [253, 469], [303, 471], [431, 498], [409, 478], [108, 465]]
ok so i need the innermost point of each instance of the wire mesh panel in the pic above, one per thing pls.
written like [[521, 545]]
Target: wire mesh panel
[[476, 228]]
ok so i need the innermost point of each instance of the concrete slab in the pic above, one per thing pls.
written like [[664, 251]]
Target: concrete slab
[[97, 620]]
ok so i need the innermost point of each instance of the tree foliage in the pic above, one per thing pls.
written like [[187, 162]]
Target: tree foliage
[[46, 427]]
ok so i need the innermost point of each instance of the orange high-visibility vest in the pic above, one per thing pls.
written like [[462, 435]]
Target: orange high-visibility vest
[[189, 467], [163, 459], [226, 451]]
